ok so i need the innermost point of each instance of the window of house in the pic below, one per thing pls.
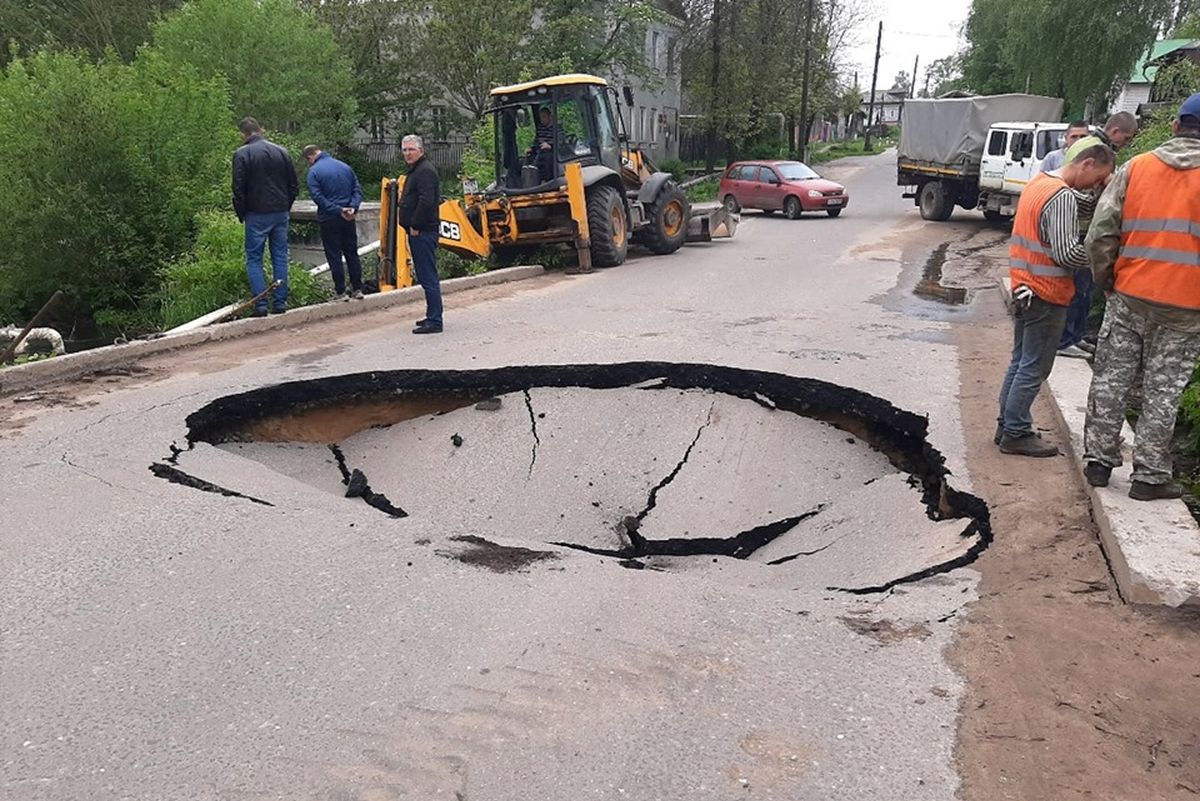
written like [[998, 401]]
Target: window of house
[[439, 120], [997, 142], [637, 123], [655, 39], [653, 125], [672, 56]]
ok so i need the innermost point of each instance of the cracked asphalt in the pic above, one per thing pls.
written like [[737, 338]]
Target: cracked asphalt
[[159, 641]]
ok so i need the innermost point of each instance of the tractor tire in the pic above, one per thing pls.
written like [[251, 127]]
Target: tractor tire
[[608, 227], [934, 202], [666, 229]]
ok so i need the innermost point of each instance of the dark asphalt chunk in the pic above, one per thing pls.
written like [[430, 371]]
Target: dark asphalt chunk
[[495, 557]]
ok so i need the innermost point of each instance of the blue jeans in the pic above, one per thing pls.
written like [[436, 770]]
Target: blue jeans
[[1036, 332], [261, 228], [1078, 311], [423, 247]]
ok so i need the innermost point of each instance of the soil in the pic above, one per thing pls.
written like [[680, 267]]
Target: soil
[[1072, 695]]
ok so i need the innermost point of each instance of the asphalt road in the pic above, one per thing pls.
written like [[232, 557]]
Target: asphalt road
[[161, 642]]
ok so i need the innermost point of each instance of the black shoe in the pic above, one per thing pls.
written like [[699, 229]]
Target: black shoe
[[1097, 474], [999, 434], [1143, 491], [259, 313], [421, 322], [427, 328], [279, 310], [1026, 446], [1083, 344]]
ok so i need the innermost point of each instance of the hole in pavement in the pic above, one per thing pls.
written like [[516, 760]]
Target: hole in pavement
[[647, 464]]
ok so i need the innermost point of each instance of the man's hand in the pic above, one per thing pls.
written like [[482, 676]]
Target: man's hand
[[545, 146], [347, 214], [413, 232]]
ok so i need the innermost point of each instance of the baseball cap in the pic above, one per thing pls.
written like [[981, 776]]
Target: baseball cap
[[1191, 107], [1083, 144]]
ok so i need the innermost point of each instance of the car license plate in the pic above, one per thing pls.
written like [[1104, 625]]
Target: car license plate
[[837, 201]]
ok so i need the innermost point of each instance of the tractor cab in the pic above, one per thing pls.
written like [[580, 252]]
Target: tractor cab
[[542, 126]]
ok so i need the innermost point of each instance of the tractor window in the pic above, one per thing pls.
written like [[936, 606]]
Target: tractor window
[[610, 144]]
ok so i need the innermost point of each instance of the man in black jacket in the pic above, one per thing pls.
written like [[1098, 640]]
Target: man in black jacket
[[419, 217], [264, 188]]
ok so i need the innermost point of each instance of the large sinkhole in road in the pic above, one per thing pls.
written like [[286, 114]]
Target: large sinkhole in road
[[674, 467]]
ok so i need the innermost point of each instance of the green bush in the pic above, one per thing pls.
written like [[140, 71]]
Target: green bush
[[479, 160], [704, 191], [105, 167], [214, 275], [676, 167]]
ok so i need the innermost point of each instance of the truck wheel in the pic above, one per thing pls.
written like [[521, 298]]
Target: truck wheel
[[667, 217], [935, 204], [993, 215], [608, 227]]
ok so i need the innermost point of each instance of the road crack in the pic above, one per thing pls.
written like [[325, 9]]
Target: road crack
[[177, 476], [537, 441], [357, 486]]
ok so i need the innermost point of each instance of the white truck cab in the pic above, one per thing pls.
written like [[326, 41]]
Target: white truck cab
[[1012, 157]]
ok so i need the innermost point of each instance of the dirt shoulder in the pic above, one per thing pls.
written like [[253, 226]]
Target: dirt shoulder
[[1072, 694]]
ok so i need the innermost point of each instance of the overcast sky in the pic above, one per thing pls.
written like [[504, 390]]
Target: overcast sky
[[928, 28]]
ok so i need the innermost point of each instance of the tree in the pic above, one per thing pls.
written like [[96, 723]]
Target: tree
[[1051, 48], [106, 167], [378, 38], [902, 81], [93, 26], [1188, 28], [467, 53], [606, 38], [942, 75], [284, 67]]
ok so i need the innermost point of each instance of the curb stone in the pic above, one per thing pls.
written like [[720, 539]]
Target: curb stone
[[32, 375]]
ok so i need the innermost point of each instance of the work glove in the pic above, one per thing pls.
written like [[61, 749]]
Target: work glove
[[1022, 298]]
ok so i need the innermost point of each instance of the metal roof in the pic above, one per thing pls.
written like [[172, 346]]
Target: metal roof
[[555, 80]]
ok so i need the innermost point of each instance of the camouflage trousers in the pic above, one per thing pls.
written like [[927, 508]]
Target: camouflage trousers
[[1132, 347]]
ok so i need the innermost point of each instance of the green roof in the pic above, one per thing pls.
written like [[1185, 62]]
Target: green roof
[[1143, 74]]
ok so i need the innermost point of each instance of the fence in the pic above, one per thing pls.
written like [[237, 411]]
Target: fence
[[445, 154]]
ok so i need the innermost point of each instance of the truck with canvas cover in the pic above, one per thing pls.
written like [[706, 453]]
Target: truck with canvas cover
[[975, 152]]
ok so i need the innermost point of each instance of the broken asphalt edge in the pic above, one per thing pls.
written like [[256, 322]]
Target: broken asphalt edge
[[1152, 547], [33, 375]]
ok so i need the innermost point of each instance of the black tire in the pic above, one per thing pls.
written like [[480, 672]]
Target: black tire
[[608, 227], [792, 207], [833, 212], [993, 215], [934, 202], [667, 216], [731, 204]]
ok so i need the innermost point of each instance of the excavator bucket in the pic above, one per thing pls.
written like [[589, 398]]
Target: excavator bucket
[[709, 224]]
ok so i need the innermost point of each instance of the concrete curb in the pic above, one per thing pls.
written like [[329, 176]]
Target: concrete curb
[[1153, 548], [36, 374]]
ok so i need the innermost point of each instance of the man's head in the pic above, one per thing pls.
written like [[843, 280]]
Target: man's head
[[412, 148], [1121, 128], [1075, 131], [311, 154], [1089, 163], [544, 116], [1188, 121], [249, 127]]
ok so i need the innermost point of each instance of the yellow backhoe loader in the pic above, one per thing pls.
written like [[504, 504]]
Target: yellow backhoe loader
[[566, 172]]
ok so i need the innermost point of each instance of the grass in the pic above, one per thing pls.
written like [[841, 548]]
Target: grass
[[705, 191], [822, 153]]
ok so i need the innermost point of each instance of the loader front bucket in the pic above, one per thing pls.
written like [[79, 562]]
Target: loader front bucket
[[706, 225]]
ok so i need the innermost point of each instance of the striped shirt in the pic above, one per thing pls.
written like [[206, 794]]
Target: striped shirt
[[1058, 229]]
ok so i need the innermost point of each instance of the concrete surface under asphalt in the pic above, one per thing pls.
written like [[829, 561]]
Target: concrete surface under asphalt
[[162, 642]]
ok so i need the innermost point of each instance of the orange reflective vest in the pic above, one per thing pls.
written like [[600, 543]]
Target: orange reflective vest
[[1159, 259], [1029, 261]]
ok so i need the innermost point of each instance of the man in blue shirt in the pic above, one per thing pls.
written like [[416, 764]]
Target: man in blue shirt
[[335, 189]]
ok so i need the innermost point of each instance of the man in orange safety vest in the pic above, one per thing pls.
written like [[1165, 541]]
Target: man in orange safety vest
[[1145, 249]]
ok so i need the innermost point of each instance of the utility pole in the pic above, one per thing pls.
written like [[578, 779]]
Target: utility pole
[[912, 84], [805, 128], [874, 82], [710, 155]]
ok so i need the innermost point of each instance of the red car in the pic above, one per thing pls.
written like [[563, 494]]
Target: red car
[[789, 186]]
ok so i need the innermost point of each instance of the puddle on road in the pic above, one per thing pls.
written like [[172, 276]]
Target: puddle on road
[[676, 467], [930, 286]]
